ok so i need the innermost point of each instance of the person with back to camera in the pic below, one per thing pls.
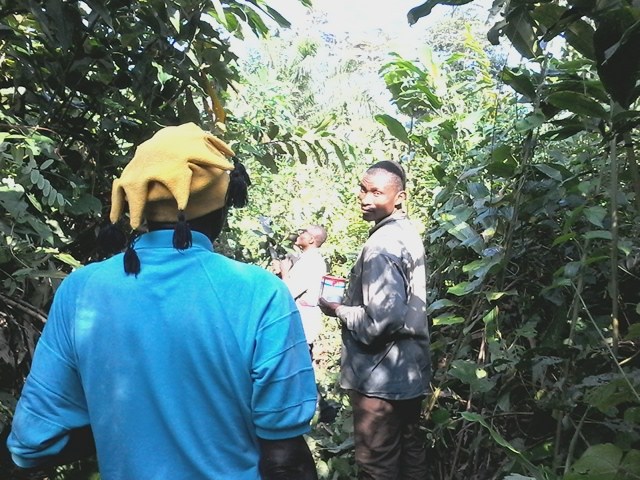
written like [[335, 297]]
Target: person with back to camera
[[385, 362], [304, 278], [179, 363]]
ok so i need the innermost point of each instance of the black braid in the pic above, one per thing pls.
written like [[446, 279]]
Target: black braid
[[131, 260], [239, 181], [182, 238], [111, 239]]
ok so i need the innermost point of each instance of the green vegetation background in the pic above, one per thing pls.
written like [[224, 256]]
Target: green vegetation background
[[523, 179]]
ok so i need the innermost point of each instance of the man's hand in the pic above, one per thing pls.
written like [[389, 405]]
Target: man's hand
[[288, 459], [328, 308], [285, 266], [275, 267], [81, 445]]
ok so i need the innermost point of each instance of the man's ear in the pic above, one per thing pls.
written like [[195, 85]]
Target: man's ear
[[401, 197]]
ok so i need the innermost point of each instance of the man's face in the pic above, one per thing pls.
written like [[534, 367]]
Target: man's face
[[380, 192], [304, 239]]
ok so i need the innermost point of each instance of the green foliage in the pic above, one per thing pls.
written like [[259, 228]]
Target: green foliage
[[525, 178], [532, 249], [612, 44], [606, 462]]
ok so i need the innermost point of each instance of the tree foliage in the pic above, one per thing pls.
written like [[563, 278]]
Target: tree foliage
[[533, 248], [80, 84]]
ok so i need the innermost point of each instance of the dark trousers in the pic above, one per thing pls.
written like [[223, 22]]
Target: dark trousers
[[389, 445]]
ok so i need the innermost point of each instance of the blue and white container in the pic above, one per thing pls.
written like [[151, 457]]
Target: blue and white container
[[332, 289]]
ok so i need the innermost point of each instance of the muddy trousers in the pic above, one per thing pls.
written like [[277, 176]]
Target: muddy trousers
[[389, 444]]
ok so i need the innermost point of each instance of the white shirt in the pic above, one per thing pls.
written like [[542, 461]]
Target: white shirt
[[304, 281]]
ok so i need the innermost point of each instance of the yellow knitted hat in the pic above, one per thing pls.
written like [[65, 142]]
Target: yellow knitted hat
[[180, 168]]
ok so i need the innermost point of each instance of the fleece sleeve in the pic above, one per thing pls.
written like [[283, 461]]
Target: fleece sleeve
[[52, 402], [384, 298], [284, 390]]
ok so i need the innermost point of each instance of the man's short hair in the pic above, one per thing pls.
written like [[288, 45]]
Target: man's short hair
[[319, 233], [393, 168]]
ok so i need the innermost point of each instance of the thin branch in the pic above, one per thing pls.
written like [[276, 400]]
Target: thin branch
[[615, 326]]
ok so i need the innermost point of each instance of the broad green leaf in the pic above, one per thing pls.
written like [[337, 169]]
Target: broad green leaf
[[564, 238], [470, 373], [598, 462], [470, 172], [220, 15], [602, 234], [440, 416], [502, 152], [395, 127], [577, 103], [85, 204], [339, 152], [46, 164], [302, 155], [549, 171], [496, 31], [520, 82], [462, 288], [504, 169], [283, 22], [490, 316], [492, 296], [632, 415], [530, 122], [630, 464], [440, 304], [571, 269], [447, 319], [626, 37], [562, 133], [579, 35], [617, 61], [595, 215], [68, 259], [439, 173], [634, 330], [100, 9], [558, 19], [461, 213], [467, 236], [608, 396], [481, 267], [162, 75], [425, 8], [478, 190], [519, 29], [13, 202]]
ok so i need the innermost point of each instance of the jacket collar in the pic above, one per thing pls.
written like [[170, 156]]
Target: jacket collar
[[397, 215], [164, 238]]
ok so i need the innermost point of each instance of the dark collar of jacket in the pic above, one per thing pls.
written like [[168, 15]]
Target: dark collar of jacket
[[397, 215]]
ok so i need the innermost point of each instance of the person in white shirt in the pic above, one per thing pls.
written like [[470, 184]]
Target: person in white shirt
[[304, 278]]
